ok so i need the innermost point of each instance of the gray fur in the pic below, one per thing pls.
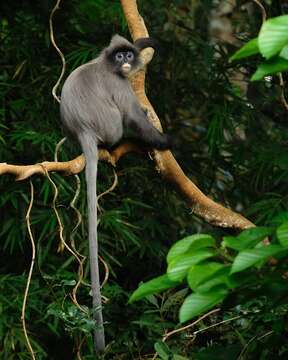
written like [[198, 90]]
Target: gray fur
[[97, 102]]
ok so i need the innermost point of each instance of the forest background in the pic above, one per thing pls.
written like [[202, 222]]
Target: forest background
[[230, 138]]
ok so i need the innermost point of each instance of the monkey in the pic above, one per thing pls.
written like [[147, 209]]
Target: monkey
[[97, 104]]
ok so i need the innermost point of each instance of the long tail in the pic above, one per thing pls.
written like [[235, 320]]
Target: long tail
[[89, 147]]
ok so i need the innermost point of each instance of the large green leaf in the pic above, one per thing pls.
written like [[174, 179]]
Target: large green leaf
[[153, 286], [249, 49], [284, 52], [282, 234], [248, 238], [273, 36], [280, 218], [270, 67], [179, 266], [192, 242], [196, 304], [248, 258], [198, 273], [162, 350], [220, 278]]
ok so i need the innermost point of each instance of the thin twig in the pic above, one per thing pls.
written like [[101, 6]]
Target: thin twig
[[173, 332], [263, 11], [73, 206], [27, 218], [217, 324], [190, 325], [250, 341], [111, 188], [56, 7], [58, 146], [266, 334], [77, 192], [79, 221], [79, 344], [63, 242], [282, 85], [106, 277]]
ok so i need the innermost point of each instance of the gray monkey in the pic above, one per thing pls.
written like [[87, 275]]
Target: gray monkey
[[97, 103]]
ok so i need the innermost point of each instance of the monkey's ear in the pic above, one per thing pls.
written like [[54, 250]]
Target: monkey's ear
[[143, 43]]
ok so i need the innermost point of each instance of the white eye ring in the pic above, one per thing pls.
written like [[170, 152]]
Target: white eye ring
[[130, 55], [119, 56]]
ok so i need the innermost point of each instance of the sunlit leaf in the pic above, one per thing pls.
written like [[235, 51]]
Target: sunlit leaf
[[284, 52], [198, 273], [162, 350], [249, 49], [196, 304], [282, 234], [269, 68], [153, 286], [248, 238], [179, 266], [273, 36], [248, 258], [192, 242]]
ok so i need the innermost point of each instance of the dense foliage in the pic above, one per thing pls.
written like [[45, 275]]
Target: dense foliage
[[230, 138]]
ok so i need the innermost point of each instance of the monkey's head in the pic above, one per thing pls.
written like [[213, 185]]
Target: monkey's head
[[123, 56]]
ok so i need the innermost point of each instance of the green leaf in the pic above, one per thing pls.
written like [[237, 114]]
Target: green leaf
[[270, 67], [249, 49], [273, 36], [162, 350], [248, 238], [179, 266], [192, 242], [198, 273], [282, 234], [179, 357], [284, 52], [221, 278], [153, 286], [248, 258], [280, 218], [196, 304]]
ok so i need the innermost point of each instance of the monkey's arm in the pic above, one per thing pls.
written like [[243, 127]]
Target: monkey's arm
[[136, 120]]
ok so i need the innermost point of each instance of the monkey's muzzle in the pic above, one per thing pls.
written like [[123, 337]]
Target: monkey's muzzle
[[126, 68]]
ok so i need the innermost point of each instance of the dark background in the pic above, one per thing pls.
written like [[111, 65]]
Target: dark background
[[230, 138]]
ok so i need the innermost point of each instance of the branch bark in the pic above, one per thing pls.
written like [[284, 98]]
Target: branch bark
[[200, 204], [71, 167]]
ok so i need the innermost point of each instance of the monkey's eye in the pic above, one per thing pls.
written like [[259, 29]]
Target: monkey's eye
[[119, 56], [129, 55]]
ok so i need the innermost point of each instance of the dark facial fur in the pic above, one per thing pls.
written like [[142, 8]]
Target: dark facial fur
[[97, 102], [123, 59]]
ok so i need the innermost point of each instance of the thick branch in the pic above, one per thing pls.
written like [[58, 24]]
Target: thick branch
[[71, 167], [201, 205]]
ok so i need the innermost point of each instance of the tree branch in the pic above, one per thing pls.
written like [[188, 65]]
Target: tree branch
[[201, 205], [71, 167], [166, 164]]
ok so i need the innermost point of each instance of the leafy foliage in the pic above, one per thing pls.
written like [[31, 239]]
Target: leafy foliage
[[210, 280], [272, 41], [231, 141]]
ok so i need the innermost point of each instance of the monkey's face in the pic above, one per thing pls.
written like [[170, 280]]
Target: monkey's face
[[124, 61]]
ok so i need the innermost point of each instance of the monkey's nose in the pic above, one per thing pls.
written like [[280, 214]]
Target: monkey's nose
[[126, 67]]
